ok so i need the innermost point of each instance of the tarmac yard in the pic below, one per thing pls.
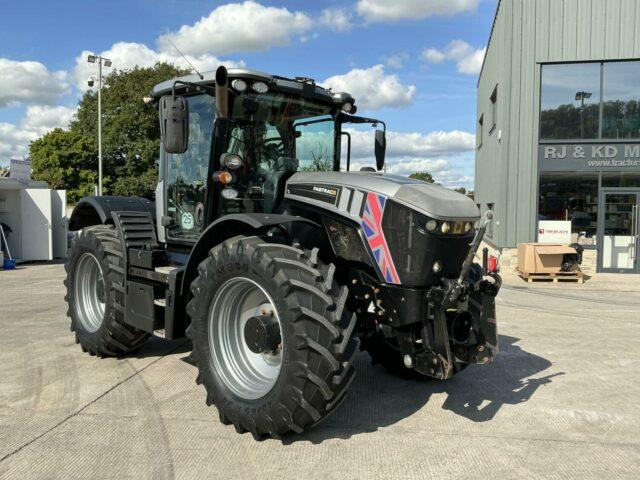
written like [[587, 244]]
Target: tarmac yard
[[560, 401]]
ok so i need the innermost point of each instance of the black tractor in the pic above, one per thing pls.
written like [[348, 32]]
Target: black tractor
[[275, 259]]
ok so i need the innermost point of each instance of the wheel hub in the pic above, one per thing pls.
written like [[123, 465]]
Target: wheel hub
[[89, 292], [262, 334], [245, 340]]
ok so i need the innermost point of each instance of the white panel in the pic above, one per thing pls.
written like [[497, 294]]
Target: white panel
[[618, 252], [345, 196], [160, 212], [35, 224], [356, 203], [59, 223]]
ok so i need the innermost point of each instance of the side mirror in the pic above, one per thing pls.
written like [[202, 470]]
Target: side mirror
[[174, 123], [380, 148]]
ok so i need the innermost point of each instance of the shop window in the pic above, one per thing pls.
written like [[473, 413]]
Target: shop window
[[620, 180], [480, 131], [621, 102], [570, 101], [574, 197], [494, 109]]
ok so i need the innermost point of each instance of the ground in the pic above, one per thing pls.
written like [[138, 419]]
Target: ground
[[560, 401]]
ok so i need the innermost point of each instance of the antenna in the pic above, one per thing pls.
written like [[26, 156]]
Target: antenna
[[186, 60]]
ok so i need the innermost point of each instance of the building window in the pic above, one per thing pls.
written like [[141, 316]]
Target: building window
[[621, 102], [570, 101], [494, 109], [574, 197], [480, 132]]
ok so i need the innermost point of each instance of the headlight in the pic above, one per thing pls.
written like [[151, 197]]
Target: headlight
[[239, 85], [431, 225], [467, 227], [446, 227], [232, 161], [260, 87], [229, 193]]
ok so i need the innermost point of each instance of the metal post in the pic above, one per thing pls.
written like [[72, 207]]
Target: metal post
[[100, 126]]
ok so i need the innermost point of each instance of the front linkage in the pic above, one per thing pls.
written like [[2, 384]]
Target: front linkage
[[439, 330]]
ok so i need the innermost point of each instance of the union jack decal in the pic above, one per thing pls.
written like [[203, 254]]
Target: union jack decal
[[372, 225]]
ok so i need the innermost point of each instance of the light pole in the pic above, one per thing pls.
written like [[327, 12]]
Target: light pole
[[107, 63], [581, 96]]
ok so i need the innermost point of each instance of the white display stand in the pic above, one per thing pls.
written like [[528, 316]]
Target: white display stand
[[37, 217]]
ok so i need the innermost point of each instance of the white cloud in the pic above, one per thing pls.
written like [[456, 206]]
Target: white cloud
[[30, 82], [468, 59], [238, 27], [438, 143], [433, 55], [397, 60], [392, 11], [373, 88], [38, 120], [126, 55], [337, 19]]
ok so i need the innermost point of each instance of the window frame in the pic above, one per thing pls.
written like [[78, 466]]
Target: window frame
[[480, 128], [600, 138]]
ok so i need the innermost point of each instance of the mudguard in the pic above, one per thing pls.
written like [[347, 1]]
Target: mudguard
[[229, 226], [97, 210]]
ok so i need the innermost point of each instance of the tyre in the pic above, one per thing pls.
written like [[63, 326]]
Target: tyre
[[272, 339], [95, 294]]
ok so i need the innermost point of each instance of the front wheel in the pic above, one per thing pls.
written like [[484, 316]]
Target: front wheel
[[272, 338], [95, 294]]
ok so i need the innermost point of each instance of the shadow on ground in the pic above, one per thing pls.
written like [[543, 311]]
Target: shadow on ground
[[378, 399]]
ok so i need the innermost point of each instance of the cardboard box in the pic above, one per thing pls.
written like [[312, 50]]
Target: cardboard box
[[541, 257]]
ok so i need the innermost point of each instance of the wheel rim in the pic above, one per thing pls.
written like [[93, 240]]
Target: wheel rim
[[247, 374], [89, 292]]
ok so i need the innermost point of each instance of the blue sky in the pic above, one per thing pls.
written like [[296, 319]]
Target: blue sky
[[413, 63]]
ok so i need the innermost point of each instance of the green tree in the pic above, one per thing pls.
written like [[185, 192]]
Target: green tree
[[66, 159], [461, 190], [130, 136], [424, 176]]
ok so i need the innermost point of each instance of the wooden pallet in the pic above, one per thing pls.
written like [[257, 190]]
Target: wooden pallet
[[577, 277]]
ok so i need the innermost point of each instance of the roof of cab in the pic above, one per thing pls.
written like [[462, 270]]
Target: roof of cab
[[280, 83]]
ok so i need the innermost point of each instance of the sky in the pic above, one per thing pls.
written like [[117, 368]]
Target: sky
[[412, 63]]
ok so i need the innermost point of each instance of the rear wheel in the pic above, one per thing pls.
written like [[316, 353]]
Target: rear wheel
[[95, 294], [272, 338]]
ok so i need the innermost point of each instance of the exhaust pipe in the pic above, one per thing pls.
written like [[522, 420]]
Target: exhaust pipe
[[222, 92]]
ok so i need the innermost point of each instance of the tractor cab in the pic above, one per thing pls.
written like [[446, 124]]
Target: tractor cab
[[230, 144]]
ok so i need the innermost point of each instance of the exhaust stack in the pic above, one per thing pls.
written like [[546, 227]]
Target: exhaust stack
[[222, 92]]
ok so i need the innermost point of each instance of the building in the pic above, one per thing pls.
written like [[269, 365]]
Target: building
[[558, 126]]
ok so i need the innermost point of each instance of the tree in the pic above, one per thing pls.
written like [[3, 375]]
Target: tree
[[66, 160], [130, 137], [461, 190], [424, 176]]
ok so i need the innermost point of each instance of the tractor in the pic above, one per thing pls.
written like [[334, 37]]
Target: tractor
[[275, 259]]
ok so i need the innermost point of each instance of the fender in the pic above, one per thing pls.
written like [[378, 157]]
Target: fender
[[229, 226], [97, 210]]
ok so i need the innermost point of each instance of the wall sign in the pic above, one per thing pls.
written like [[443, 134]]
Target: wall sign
[[588, 157], [554, 231], [20, 169]]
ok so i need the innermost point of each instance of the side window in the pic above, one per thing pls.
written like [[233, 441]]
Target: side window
[[480, 131], [494, 109], [315, 144], [187, 173]]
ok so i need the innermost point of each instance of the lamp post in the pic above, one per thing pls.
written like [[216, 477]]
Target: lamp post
[[581, 96], [92, 58]]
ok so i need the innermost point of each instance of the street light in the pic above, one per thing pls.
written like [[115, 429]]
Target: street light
[[92, 58], [580, 96]]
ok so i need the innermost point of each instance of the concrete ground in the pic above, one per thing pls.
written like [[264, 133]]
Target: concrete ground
[[560, 401]]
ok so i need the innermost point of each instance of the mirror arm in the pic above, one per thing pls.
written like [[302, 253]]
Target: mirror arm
[[196, 86]]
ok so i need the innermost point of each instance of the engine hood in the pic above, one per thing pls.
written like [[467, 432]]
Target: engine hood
[[432, 200]]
